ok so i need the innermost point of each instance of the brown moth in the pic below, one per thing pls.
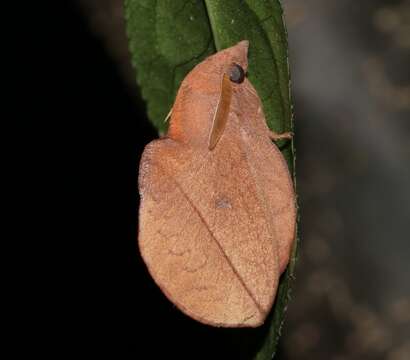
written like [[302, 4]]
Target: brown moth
[[217, 215]]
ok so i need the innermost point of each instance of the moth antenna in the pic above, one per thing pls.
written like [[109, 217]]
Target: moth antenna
[[168, 116], [221, 113]]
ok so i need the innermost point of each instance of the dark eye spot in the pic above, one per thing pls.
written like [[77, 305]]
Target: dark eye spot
[[236, 73]]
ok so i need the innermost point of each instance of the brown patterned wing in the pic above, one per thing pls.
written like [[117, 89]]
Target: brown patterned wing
[[205, 233]]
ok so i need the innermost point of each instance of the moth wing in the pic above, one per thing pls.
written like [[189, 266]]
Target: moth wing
[[181, 241], [274, 178], [270, 169], [216, 226]]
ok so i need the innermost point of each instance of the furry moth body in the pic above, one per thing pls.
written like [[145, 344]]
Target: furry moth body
[[217, 214]]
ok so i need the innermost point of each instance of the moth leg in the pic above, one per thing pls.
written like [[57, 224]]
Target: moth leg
[[275, 136], [168, 116]]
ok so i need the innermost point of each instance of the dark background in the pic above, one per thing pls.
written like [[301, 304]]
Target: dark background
[[351, 87]]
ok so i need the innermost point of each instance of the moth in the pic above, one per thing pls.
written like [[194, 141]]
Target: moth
[[217, 213]]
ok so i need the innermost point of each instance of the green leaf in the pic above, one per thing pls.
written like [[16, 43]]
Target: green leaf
[[169, 37]]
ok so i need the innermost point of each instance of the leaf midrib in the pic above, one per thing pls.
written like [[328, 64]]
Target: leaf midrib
[[211, 25]]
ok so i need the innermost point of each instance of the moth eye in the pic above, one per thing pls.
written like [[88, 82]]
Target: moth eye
[[236, 73]]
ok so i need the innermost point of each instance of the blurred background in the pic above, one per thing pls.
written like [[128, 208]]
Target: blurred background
[[350, 64]]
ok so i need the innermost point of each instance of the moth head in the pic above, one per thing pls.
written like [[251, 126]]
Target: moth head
[[205, 78], [233, 62]]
